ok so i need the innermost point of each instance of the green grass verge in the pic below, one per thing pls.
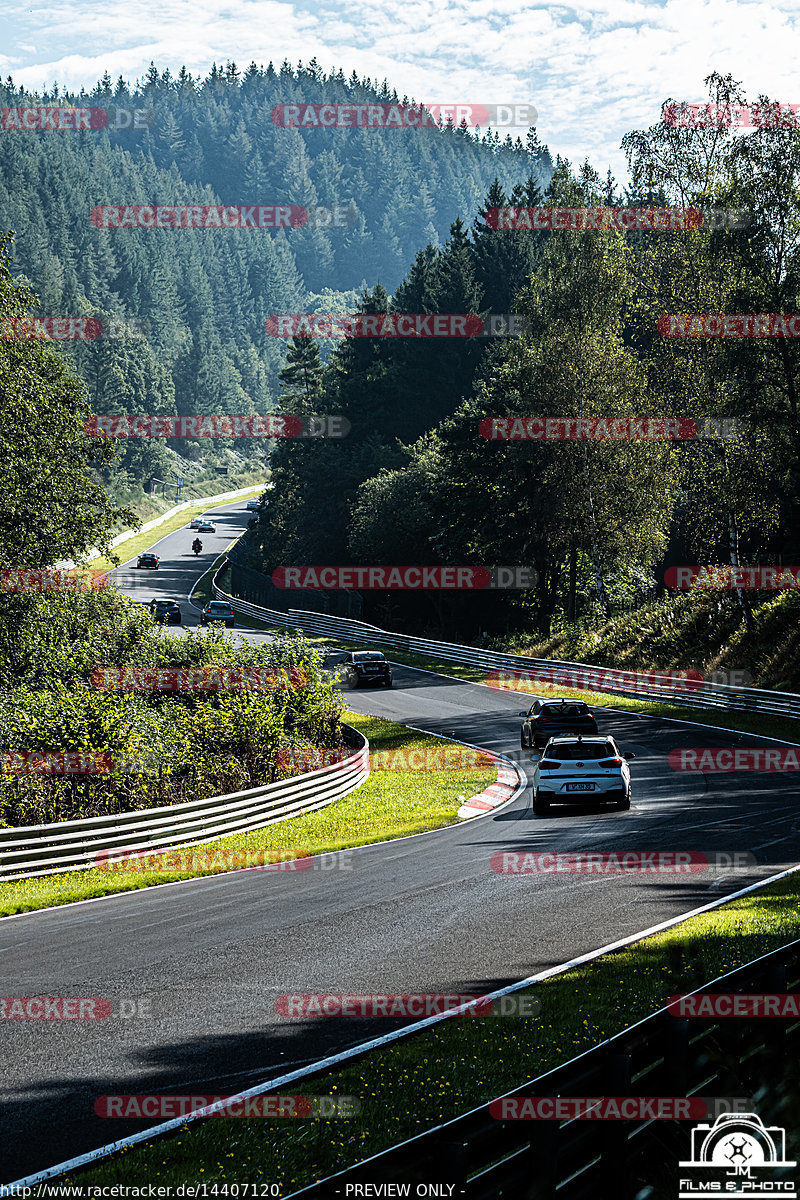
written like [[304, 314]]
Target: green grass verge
[[143, 541], [390, 804], [441, 1072]]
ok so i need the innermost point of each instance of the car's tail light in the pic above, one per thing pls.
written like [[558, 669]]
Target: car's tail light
[[610, 762], [548, 764]]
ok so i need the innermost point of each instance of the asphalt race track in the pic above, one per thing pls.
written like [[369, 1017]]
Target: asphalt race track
[[425, 914]]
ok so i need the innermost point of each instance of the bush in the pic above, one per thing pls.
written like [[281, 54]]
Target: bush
[[152, 748]]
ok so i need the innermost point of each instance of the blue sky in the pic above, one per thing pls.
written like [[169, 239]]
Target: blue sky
[[593, 70]]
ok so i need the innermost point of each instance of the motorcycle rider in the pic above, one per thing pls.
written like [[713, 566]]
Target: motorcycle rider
[[197, 545]]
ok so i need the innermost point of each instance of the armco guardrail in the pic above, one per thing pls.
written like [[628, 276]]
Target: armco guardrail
[[690, 693], [480, 1157], [32, 850]]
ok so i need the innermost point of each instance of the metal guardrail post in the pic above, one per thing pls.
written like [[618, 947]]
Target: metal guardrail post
[[676, 1055], [544, 1160], [614, 1173], [451, 1160], [30, 851]]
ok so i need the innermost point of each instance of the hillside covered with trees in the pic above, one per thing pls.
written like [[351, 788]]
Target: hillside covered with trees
[[202, 296], [599, 520]]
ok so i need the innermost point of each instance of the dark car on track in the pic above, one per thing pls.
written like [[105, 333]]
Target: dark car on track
[[547, 718], [367, 666], [147, 560], [218, 610], [167, 611]]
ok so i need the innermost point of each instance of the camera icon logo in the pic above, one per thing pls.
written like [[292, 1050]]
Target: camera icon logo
[[738, 1141]]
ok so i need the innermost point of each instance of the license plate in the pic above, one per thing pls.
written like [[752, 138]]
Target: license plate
[[580, 787]]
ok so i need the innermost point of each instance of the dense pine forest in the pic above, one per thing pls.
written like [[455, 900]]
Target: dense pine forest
[[203, 296]]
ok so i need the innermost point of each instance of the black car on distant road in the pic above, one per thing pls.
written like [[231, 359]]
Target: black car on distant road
[[367, 666], [148, 560], [167, 611], [547, 718]]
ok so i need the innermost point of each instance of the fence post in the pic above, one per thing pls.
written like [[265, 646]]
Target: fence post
[[676, 1055], [614, 1172], [543, 1157], [452, 1162]]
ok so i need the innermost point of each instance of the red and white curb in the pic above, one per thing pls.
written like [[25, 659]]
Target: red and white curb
[[507, 783]]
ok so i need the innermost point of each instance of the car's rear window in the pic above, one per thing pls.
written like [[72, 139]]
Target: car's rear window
[[366, 657], [573, 752], [566, 710]]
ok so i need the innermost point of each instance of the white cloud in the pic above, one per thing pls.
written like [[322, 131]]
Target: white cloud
[[594, 70]]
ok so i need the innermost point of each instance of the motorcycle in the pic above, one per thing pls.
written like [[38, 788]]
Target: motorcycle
[[197, 545]]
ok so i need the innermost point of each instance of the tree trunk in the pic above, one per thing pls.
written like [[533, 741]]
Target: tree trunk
[[598, 564], [733, 546], [573, 563]]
